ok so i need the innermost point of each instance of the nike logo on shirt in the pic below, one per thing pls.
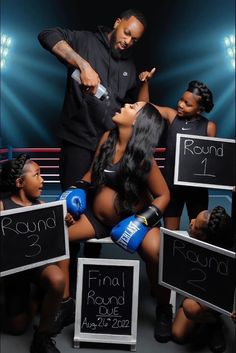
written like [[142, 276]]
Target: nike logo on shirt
[[186, 128]]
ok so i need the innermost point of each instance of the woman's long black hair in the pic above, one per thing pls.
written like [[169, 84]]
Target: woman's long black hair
[[137, 159]]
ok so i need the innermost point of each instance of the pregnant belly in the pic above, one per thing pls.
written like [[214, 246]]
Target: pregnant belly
[[104, 206]]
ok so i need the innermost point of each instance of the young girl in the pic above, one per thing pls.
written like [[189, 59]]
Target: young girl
[[21, 178], [186, 119], [215, 227], [128, 193]]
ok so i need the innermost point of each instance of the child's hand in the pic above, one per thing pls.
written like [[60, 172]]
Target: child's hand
[[146, 75], [69, 220]]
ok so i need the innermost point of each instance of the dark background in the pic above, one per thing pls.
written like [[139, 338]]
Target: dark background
[[184, 41]]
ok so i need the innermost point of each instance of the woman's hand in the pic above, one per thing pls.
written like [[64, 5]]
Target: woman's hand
[[146, 75]]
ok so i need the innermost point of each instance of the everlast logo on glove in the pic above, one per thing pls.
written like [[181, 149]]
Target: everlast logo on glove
[[128, 233]]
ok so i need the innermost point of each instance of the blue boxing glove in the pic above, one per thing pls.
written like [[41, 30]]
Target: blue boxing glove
[[75, 198], [130, 232]]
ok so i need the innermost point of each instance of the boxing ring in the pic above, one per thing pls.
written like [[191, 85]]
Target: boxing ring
[[48, 160]]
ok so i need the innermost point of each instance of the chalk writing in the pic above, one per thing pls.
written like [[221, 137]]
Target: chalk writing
[[107, 305], [205, 150], [8, 226], [201, 278], [35, 244], [31, 236], [198, 150], [106, 299], [197, 269], [202, 161], [19, 228], [103, 281], [220, 267], [105, 322], [106, 309], [96, 300]]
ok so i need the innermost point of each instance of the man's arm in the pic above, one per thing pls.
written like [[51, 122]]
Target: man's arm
[[64, 51], [60, 43]]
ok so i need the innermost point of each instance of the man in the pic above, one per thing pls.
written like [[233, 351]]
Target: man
[[101, 57]]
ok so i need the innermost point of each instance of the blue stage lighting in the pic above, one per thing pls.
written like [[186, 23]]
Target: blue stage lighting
[[230, 48], [5, 44]]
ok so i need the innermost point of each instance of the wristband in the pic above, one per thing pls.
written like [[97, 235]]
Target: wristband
[[150, 216], [82, 184]]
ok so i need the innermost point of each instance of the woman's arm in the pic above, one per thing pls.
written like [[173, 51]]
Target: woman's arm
[[158, 187], [137, 225]]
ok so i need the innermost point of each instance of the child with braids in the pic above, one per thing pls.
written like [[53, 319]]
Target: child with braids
[[187, 118], [21, 179], [215, 227]]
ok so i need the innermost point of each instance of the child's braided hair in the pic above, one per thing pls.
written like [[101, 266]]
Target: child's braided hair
[[11, 170], [220, 228], [200, 89]]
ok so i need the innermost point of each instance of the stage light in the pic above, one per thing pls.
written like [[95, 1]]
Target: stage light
[[230, 48], [5, 44]]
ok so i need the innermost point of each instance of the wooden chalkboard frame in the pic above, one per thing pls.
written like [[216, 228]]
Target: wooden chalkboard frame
[[80, 336], [61, 206], [177, 180], [184, 236]]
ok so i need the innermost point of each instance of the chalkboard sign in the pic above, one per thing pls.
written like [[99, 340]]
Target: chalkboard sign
[[32, 236], [205, 161], [107, 301], [198, 270]]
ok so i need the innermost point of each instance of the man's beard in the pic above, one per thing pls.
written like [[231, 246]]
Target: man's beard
[[116, 53]]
